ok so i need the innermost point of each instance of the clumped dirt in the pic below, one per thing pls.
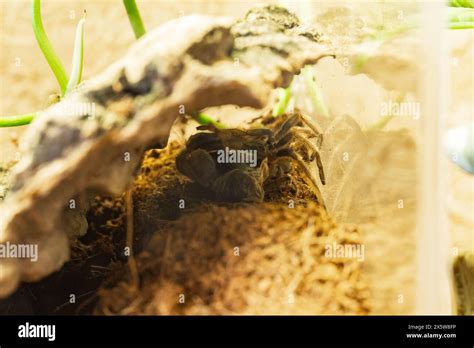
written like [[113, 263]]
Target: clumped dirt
[[264, 259], [204, 257], [92, 258], [211, 258]]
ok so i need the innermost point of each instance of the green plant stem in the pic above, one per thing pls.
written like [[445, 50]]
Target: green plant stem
[[205, 119], [46, 47], [77, 57], [315, 92], [134, 17], [283, 100], [17, 120], [461, 14], [461, 18], [462, 3], [461, 25]]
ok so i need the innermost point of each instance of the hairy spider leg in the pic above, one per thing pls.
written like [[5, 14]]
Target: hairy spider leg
[[307, 171], [315, 152]]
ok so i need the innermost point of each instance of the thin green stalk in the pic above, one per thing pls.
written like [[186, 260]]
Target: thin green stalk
[[135, 18], [78, 57], [17, 120], [283, 100], [461, 25], [460, 14], [205, 119], [315, 92], [461, 18], [462, 3], [46, 47]]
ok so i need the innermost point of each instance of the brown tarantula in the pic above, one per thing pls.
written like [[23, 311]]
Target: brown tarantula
[[234, 163]]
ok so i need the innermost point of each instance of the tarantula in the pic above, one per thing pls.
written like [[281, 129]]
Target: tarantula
[[258, 154]]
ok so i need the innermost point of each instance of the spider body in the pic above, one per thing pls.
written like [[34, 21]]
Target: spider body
[[273, 151]]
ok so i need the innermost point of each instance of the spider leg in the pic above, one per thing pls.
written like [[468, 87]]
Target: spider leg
[[292, 123], [283, 142], [238, 186], [203, 141], [310, 135], [208, 127], [312, 125], [264, 171], [286, 126], [315, 150], [198, 165], [260, 132], [305, 131], [309, 174], [319, 163]]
